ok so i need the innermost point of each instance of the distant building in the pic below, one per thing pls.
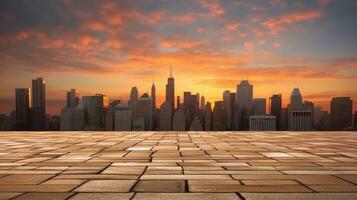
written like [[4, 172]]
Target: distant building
[[38, 111], [276, 109], [355, 121], [134, 97], [203, 103], [22, 99], [165, 116], [72, 119], [262, 123], [122, 118], [299, 114], [259, 106], [153, 96], [170, 91], [208, 117], [109, 115], [72, 99], [94, 110], [244, 101], [144, 108], [196, 125], [341, 113], [219, 117], [228, 108], [283, 125], [54, 123], [138, 123], [179, 121]]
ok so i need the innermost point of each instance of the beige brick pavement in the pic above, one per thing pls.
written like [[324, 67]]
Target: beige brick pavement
[[178, 165]]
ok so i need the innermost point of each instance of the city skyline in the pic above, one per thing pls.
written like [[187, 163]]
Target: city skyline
[[110, 46]]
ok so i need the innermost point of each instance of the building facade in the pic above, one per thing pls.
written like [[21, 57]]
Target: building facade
[[262, 123]]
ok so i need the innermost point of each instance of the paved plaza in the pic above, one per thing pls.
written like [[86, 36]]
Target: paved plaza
[[178, 165]]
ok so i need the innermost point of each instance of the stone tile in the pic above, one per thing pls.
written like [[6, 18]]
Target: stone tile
[[124, 170], [186, 196], [37, 188], [44, 196], [102, 196], [64, 181], [106, 186], [8, 195], [160, 186], [269, 182], [334, 188], [248, 188], [24, 179], [183, 177], [299, 196]]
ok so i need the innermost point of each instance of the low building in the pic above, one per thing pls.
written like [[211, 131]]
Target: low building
[[262, 123], [300, 120]]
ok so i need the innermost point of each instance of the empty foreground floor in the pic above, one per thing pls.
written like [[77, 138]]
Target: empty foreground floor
[[178, 165]]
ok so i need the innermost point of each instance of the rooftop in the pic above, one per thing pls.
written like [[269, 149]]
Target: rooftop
[[178, 165]]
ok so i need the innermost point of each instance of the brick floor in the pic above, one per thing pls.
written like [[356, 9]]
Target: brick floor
[[178, 165]]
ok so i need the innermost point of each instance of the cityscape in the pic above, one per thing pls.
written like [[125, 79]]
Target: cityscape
[[236, 111]]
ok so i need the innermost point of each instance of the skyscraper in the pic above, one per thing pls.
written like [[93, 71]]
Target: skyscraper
[[219, 117], [144, 108], [94, 110], [122, 118], [299, 118], [38, 104], [275, 108], [134, 95], [203, 103], [196, 124], [170, 90], [208, 117], [109, 115], [259, 106], [72, 119], [22, 98], [72, 99], [165, 116], [341, 113], [153, 96], [179, 121], [228, 108], [244, 101]]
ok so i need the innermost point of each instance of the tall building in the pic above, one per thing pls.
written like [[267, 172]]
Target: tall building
[[341, 113], [219, 117], [227, 106], [196, 124], [300, 120], [203, 103], [144, 108], [296, 100], [244, 101], [122, 118], [153, 96], [72, 99], [262, 123], [178, 102], [259, 106], [208, 117], [355, 121], [170, 91], [72, 119], [165, 116], [179, 121], [275, 108], [138, 123], [38, 104], [109, 115], [22, 98], [134, 96], [94, 111], [283, 125]]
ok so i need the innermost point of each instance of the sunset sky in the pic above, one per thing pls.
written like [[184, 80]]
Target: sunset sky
[[109, 46]]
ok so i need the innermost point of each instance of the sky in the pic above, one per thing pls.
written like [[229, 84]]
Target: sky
[[107, 47]]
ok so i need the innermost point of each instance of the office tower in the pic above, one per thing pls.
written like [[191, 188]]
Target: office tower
[[144, 108], [341, 113], [283, 126], [186, 100], [122, 118], [54, 123], [196, 124], [72, 119], [203, 103], [138, 123], [165, 116], [109, 115], [191, 106], [72, 99], [300, 120], [179, 121], [316, 116], [355, 121], [219, 117], [259, 106], [296, 100], [38, 105], [178, 102], [262, 123], [153, 96], [22, 99], [208, 117], [170, 90], [134, 96], [244, 101], [94, 110], [275, 108], [308, 105], [227, 106]]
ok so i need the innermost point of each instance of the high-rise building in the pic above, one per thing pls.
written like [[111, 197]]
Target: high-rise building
[[244, 101], [22, 98], [94, 110], [138, 123], [153, 96], [283, 125], [259, 106], [208, 117], [275, 108], [227, 106], [122, 118], [72, 99], [308, 105], [165, 116], [196, 124], [300, 120], [38, 104], [296, 100], [134, 96], [355, 121], [72, 119], [178, 102], [179, 121], [341, 113], [170, 91], [144, 108], [219, 117], [203, 103], [109, 115], [262, 123]]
